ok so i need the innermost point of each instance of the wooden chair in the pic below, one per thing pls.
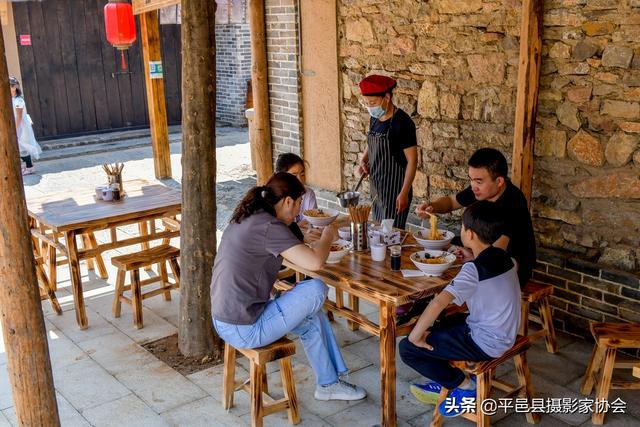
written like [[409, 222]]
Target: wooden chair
[[133, 263], [540, 293], [261, 403], [609, 337], [484, 376]]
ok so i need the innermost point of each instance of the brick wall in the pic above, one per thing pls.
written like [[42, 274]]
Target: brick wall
[[233, 62], [284, 84]]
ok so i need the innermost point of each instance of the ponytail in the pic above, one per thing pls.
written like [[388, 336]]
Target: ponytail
[[265, 197]]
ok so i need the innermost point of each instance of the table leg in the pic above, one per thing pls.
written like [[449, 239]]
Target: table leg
[[102, 269], [76, 280], [354, 304], [388, 364], [143, 227]]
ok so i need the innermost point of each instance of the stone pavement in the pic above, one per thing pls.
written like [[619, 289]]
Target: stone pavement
[[103, 377]]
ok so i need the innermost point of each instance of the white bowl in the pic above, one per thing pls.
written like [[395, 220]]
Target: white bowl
[[421, 238], [321, 221], [433, 270], [345, 232], [336, 256]]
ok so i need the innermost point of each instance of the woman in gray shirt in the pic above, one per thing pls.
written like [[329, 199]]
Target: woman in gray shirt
[[246, 267]]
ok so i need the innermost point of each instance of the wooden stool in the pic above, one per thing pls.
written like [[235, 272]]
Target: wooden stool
[[261, 403], [484, 376], [540, 293], [133, 263], [45, 286], [609, 337]]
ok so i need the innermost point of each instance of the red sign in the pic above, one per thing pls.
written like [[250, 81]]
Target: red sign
[[25, 40]]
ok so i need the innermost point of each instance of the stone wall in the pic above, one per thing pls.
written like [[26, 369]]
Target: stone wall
[[456, 65], [284, 84], [233, 70]]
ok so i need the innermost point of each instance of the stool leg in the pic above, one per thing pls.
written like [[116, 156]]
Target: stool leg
[[87, 245], [265, 385], [605, 384], [289, 385], [47, 288], [524, 318], [547, 324], [354, 304], [524, 380], [595, 363], [117, 304], [228, 376], [436, 419], [483, 389], [162, 268], [52, 263], [136, 298], [330, 316], [256, 395], [175, 269], [102, 269], [143, 227]]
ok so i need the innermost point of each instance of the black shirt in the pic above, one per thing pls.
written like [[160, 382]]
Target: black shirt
[[519, 228], [402, 134]]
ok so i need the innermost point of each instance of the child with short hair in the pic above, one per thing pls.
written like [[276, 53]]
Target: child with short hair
[[293, 164], [489, 286]]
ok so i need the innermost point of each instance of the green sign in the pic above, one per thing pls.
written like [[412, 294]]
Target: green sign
[[155, 69]]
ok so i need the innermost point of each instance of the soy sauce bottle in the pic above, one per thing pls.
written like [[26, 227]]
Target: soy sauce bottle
[[396, 257]]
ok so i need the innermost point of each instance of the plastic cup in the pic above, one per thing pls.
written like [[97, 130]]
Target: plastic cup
[[378, 251]]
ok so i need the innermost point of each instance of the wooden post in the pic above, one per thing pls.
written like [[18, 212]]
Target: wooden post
[[150, 34], [527, 97], [260, 86], [23, 327], [198, 229]]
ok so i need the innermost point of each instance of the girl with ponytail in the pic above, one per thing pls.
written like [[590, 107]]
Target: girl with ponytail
[[251, 252]]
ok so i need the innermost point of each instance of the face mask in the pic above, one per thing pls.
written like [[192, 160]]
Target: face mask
[[376, 112]]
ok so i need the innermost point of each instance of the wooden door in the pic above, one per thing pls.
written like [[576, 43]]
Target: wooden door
[[72, 79]]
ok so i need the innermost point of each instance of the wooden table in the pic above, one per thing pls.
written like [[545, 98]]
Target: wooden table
[[361, 277], [76, 212]]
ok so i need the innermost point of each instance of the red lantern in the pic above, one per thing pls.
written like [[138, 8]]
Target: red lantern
[[120, 25]]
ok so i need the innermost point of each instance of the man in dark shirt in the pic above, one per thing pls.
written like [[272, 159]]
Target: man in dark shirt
[[488, 174]]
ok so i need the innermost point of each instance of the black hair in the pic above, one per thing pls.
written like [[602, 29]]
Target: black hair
[[490, 159], [485, 219], [14, 82], [265, 197], [286, 161]]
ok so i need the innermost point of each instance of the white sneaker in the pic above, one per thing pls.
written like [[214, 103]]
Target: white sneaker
[[340, 390]]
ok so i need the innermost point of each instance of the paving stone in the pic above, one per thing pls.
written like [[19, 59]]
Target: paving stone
[[210, 380], [128, 410], [4, 422], [69, 416], [365, 414], [117, 353], [67, 324], [160, 387], [62, 350], [204, 413], [6, 396]]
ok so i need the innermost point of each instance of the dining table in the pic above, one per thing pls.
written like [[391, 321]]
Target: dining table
[[359, 277], [58, 219]]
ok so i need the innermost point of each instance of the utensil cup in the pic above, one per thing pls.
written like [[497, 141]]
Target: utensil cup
[[359, 236]]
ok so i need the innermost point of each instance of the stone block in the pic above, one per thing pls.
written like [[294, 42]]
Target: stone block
[[632, 94], [488, 68], [450, 105], [403, 46], [607, 77], [560, 50], [585, 148], [581, 68], [583, 50], [359, 30], [442, 182], [620, 185], [425, 69], [617, 56], [622, 109], [551, 142], [623, 258], [620, 148], [568, 115], [636, 158], [579, 94], [559, 215], [456, 7], [597, 28], [428, 105]]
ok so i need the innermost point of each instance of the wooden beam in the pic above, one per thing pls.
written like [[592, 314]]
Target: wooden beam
[[143, 6], [527, 96], [150, 34], [260, 86], [25, 337]]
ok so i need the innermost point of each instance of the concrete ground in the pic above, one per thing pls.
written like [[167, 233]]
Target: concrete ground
[[103, 377]]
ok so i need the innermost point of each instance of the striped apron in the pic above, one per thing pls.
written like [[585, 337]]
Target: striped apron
[[386, 176]]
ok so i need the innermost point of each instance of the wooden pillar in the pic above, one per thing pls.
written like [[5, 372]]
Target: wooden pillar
[[23, 327], [260, 85], [150, 34], [527, 97]]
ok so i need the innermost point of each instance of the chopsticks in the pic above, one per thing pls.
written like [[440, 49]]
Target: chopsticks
[[115, 169], [360, 213]]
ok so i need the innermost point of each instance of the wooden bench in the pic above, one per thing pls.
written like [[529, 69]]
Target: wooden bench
[[133, 263], [484, 372], [609, 337], [262, 404], [538, 293]]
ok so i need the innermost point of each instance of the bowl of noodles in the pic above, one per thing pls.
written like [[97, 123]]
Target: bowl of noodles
[[320, 217], [338, 250], [432, 237], [432, 262]]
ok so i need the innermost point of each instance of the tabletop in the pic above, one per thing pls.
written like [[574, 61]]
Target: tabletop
[[74, 209], [374, 280]]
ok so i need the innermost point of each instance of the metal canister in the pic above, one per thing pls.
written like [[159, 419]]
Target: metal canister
[[359, 236]]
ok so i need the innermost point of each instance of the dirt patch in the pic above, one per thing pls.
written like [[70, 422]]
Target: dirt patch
[[166, 349]]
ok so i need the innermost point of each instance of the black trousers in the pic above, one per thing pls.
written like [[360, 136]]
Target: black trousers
[[451, 340], [27, 161]]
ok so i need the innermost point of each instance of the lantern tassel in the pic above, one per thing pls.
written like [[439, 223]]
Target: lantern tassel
[[124, 63]]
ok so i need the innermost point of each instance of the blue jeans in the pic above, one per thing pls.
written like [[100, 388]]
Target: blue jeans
[[299, 311]]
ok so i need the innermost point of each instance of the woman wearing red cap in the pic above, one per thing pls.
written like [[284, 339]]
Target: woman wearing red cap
[[391, 158]]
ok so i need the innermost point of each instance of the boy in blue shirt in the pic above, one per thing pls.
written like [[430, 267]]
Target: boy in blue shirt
[[489, 286]]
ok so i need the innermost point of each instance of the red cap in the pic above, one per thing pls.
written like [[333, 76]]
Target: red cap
[[375, 85]]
